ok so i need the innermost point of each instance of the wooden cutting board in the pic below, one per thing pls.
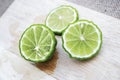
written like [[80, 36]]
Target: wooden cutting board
[[22, 13], [14, 68]]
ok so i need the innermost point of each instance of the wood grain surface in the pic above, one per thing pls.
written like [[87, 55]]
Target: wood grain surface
[[13, 67], [105, 66]]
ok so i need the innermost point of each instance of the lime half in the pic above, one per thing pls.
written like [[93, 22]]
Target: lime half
[[37, 43], [60, 18], [82, 39]]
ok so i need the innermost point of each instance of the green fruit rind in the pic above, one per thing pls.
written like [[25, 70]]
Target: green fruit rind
[[76, 18], [83, 58], [52, 48]]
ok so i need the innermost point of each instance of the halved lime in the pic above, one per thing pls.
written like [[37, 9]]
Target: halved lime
[[60, 18], [82, 39], [37, 43]]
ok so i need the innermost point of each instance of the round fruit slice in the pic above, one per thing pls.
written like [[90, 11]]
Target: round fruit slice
[[37, 43], [82, 39], [60, 18]]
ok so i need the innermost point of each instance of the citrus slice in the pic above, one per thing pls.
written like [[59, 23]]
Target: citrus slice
[[37, 43], [82, 39], [60, 18]]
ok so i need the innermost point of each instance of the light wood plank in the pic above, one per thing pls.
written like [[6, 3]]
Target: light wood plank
[[13, 67], [105, 66]]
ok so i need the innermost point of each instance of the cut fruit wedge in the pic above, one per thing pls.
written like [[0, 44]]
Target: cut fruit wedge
[[82, 39], [60, 18], [37, 43]]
